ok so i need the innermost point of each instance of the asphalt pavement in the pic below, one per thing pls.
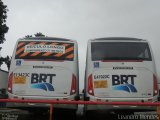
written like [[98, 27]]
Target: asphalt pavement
[[63, 114]]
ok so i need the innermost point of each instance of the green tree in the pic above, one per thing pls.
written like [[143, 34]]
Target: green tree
[[28, 36], [38, 34], [3, 17], [8, 61], [3, 30]]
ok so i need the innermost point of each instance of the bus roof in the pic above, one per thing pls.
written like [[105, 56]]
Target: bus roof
[[46, 38], [120, 38]]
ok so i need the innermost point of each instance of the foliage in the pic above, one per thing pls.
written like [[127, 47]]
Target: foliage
[[38, 34], [3, 26], [6, 60], [3, 29]]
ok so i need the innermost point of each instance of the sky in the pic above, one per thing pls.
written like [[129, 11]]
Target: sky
[[82, 20]]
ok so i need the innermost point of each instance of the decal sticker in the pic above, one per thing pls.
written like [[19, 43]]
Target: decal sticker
[[19, 80], [118, 82], [42, 81], [96, 64], [45, 50], [124, 83], [43, 86], [18, 63], [126, 87], [100, 84], [100, 81]]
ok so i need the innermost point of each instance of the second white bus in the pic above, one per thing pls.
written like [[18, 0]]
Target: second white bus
[[120, 69]]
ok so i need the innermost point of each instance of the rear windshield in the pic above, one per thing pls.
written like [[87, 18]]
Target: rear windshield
[[44, 50], [120, 51]]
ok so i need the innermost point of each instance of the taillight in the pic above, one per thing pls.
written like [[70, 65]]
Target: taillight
[[90, 85], [73, 86], [10, 83], [155, 85]]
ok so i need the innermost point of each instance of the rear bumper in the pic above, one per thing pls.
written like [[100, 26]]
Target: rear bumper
[[117, 107], [38, 105], [22, 97], [118, 99], [65, 106]]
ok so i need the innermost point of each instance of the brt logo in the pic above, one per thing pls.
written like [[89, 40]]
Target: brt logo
[[42, 81], [124, 82]]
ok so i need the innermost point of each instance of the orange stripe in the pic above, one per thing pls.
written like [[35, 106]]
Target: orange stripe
[[48, 53], [66, 45], [66, 51], [20, 44], [20, 50], [25, 53], [70, 56], [36, 53]]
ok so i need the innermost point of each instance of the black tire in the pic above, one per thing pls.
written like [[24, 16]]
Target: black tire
[[62, 114], [3, 104]]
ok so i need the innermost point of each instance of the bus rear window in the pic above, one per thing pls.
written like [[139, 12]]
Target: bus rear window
[[45, 50], [120, 51]]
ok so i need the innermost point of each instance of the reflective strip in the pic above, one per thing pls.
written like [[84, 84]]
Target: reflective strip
[[22, 49], [26, 53], [66, 51], [70, 56], [20, 44]]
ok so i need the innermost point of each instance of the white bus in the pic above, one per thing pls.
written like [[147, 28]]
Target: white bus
[[120, 69], [45, 68]]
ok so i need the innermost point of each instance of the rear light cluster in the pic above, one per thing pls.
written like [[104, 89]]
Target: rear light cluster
[[90, 85], [155, 85], [74, 85], [10, 79]]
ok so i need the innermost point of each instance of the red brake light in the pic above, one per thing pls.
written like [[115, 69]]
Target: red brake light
[[90, 85], [155, 85], [73, 86], [10, 83]]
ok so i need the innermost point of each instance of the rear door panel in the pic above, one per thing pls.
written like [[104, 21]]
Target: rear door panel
[[42, 82], [136, 83]]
